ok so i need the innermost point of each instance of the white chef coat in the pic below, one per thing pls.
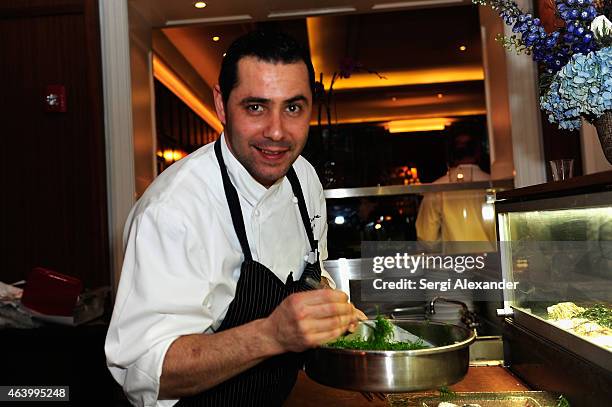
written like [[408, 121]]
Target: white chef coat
[[182, 258], [455, 216]]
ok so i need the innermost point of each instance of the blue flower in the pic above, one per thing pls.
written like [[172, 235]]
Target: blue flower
[[583, 87]]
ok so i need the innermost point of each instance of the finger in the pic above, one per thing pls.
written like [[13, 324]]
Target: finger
[[326, 337], [360, 315], [328, 310], [322, 296], [329, 324]]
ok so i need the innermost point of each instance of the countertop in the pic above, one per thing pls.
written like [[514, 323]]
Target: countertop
[[582, 184], [308, 393]]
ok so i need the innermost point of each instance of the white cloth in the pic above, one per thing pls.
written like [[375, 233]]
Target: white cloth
[[182, 258], [454, 216]]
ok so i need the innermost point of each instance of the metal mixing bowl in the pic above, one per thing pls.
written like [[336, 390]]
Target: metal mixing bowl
[[397, 371]]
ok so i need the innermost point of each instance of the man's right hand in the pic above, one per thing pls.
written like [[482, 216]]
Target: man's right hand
[[308, 319]]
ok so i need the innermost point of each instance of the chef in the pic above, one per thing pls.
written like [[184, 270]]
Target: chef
[[214, 305]]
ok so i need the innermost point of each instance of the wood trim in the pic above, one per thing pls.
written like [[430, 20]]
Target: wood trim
[[601, 180]]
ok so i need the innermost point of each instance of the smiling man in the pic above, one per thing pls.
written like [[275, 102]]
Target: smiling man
[[266, 116], [214, 306]]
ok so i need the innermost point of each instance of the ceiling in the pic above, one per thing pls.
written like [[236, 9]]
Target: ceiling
[[414, 45], [165, 13]]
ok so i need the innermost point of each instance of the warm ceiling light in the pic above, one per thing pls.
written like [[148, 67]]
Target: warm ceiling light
[[199, 4], [216, 38], [409, 77], [462, 48], [168, 78], [440, 96], [394, 98], [225, 53], [406, 126]]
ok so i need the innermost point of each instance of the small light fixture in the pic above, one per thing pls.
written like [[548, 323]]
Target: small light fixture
[[440, 96], [462, 48], [199, 4], [225, 53], [216, 38], [394, 98]]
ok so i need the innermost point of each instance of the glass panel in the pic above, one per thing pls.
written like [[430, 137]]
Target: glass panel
[[449, 216], [562, 259]]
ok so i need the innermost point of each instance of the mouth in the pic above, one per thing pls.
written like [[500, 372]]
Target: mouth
[[272, 154]]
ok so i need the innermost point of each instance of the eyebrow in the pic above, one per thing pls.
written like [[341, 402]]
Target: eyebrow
[[254, 99], [297, 98]]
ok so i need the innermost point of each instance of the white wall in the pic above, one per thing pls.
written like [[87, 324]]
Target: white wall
[[527, 143], [512, 106]]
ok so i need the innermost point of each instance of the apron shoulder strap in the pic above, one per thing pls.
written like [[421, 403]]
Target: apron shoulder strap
[[234, 204], [297, 191]]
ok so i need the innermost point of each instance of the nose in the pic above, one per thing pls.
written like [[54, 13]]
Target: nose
[[275, 129]]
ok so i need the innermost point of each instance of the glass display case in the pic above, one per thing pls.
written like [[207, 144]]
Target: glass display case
[[555, 240], [390, 213]]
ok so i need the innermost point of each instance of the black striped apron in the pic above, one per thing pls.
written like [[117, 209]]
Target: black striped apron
[[258, 292]]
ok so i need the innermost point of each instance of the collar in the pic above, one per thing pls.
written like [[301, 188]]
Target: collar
[[247, 186]]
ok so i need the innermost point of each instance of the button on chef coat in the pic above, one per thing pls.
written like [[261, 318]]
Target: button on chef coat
[[182, 258]]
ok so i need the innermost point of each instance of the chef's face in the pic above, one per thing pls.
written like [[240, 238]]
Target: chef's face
[[266, 117]]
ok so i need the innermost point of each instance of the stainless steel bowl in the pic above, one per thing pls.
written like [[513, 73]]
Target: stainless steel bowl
[[397, 371]]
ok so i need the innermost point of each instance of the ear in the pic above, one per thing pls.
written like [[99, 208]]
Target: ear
[[219, 107]]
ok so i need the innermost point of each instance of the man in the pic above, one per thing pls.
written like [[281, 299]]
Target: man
[[453, 216], [212, 306]]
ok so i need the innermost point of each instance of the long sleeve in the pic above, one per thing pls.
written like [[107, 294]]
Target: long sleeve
[[161, 296]]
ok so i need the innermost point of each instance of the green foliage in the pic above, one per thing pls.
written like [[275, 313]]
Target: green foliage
[[513, 43], [546, 79], [447, 394], [379, 340], [603, 37], [562, 402], [598, 313]]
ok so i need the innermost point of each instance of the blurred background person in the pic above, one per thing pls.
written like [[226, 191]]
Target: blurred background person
[[462, 215]]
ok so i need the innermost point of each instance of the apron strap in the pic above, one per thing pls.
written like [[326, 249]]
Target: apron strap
[[234, 204], [297, 191]]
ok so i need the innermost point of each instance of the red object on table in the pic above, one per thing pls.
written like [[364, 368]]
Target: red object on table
[[51, 293]]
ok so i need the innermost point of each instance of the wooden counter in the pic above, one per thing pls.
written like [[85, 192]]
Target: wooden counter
[[308, 393], [583, 184]]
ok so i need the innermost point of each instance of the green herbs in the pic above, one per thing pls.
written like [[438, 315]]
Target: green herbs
[[383, 332], [447, 394], [562, 402], [379, 340], [598, 313], [360, 344]]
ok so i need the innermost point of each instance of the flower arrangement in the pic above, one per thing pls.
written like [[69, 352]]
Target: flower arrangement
[[583, 87], [576, 58]]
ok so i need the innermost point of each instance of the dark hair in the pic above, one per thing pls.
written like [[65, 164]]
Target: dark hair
[[268, 46], [465, 142]]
